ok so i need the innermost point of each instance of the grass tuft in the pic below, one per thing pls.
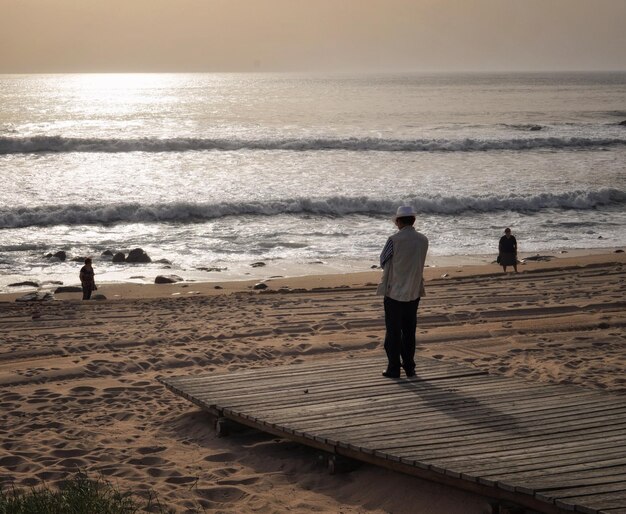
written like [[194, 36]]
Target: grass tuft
[[79, 495]]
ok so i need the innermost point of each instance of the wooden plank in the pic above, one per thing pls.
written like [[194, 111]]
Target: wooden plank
[[430, 419], [595, 501], [547, 485], [316, 383], [357, 413], [595, 489], [448, 398], [535, 443], [490, 439], [312, 375], [560, 480], [508, 465], [598, 467]]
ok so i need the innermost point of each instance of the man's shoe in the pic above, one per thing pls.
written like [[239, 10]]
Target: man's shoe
[[410, 373], [391, 374]]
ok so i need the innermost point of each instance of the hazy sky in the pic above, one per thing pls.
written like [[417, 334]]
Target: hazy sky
[[243, 35]]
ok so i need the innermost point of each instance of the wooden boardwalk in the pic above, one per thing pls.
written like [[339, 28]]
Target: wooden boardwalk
[[549, 448]]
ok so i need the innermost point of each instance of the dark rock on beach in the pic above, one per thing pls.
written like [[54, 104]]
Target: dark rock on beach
[[98, 297], [68, 289], [622, 123], [167, 279], [39, 296], [534, 128], [260, 286], [138, 255], [162, 261], [257, 264], [78, 259], [60, 255], [106, 253], [119, 257], [619, 251], [27, 283], [539, 258]]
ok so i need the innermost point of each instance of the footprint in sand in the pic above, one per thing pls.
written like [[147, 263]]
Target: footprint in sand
[[149, 461], [50, 476], [72, 463], [241, 481], [70, 453], [178, 480], [221, 494], [83, 391], [220, 457], [147, 450]]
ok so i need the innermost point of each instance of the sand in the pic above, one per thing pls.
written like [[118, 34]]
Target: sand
[[78, 385]]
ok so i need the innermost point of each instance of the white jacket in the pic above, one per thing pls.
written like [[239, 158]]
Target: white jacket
[[403, 275]]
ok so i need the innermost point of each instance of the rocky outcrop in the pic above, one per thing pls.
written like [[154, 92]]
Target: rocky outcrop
[[538, 258], [39, 296], [138, 255], [167, 279], [60, 255], [259, 286], [106, 253], [68, 289], [26, 283], [257, 264], [119, 257]]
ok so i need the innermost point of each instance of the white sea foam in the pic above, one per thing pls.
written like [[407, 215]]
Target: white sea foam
[[186, 212], [60, 144]]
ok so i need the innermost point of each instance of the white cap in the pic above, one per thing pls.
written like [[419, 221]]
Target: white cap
[[404, 211]]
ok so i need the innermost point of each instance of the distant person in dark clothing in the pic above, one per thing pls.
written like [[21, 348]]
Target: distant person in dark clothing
[[87, 279], [507, 248]]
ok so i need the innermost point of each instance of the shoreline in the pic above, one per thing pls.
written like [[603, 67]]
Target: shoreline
[[311, 276]]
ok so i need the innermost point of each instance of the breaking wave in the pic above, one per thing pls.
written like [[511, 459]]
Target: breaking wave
[[186, 212], [59, 144]]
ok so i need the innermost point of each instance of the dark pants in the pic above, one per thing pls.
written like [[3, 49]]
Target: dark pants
[[87, 292], [400, 321]]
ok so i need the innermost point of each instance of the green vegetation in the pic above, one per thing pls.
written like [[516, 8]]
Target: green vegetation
[[79, 495]]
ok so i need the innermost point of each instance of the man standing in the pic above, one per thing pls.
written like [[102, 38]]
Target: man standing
[[402, 285]]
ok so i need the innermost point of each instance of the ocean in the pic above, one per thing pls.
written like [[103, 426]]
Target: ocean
[[301, 172]]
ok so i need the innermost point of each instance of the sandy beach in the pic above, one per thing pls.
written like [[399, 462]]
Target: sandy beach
[[79, 390]]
